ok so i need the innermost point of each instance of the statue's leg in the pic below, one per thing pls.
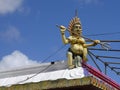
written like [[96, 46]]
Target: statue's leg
[[85, 52], [78, 61], [70, 60]]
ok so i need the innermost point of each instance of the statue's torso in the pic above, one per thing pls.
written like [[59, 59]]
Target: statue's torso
[[76, 44]]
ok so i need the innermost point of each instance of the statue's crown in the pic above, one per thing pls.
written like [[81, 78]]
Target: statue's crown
[[74, 21]]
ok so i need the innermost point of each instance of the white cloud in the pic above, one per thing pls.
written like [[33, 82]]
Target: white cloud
[[9, 6], [11, 34], [15, 59]]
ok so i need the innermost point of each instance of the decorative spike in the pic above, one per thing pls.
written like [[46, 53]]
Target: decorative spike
[[76, 13]]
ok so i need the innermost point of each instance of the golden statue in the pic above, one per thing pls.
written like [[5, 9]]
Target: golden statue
[[78, 46]]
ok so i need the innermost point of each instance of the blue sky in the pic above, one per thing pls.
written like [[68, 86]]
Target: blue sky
[[28, 31]]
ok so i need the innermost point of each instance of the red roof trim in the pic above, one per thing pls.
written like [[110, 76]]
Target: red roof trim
[[102, 76]]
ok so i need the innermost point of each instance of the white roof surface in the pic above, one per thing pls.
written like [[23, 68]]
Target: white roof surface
[[39, 73]]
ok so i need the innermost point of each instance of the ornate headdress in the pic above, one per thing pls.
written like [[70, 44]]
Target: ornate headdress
[[74, 21]]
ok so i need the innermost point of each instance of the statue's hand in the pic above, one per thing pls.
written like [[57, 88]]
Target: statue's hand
[[62, 29], [96, 42]]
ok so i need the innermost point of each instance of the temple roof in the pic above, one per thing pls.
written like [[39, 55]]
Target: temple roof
[[55, 75], [32, 69], [42, 72]]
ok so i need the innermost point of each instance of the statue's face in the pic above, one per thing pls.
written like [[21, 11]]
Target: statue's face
[[77, 29]]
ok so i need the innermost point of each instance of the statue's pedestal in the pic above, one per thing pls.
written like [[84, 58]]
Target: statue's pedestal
[[78, 72]]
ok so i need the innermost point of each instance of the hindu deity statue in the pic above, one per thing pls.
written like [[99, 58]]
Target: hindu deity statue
[[78, 45]]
